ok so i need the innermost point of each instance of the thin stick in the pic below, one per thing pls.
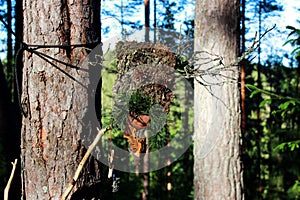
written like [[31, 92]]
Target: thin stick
[[6, 190], [82, 162]]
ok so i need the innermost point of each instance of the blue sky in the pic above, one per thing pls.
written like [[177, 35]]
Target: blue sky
[[187, 13], [271, 44]]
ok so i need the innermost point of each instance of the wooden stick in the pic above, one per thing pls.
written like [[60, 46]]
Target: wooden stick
[[82, 162], [6, 190], [110, 163]]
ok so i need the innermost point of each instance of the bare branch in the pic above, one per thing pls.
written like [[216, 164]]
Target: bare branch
[[205, 64], [6, 190], [82, 162]]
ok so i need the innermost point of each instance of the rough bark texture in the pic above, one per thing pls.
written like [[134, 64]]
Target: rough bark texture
[[217, 167], [54, 104]]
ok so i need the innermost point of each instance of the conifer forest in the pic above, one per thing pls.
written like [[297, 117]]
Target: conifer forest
[[149, 100]]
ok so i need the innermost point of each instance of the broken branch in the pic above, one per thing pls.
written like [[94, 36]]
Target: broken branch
[[6, 190], [83, 161]]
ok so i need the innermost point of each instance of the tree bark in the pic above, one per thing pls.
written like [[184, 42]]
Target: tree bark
[[217, 165], [54, 104]]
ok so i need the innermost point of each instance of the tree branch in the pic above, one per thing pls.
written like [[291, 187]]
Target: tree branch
[[83, 161], [214, 62], [6, 190]]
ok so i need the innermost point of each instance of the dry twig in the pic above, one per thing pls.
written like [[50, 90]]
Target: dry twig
[[6, 190], [217, 66], [82, 162]]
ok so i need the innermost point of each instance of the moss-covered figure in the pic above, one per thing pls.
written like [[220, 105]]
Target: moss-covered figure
[[143, 90]]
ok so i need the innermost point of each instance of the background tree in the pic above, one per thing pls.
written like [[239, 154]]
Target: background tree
[[280, 108], [9, 45], [4, 127], [54, 99], [262, 7], [218, 173]]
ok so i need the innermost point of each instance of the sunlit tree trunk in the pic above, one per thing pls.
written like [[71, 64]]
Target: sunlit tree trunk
[[243, 72], [54, 105], [217, 164]]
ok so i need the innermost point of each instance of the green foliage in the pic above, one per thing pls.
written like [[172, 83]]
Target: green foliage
[[294, 41], [287, 106], [271, 158], [8, 69], [140, 104], [288, 145], [294, 191]]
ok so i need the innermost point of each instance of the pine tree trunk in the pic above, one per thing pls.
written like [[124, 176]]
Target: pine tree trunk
[[217, 166], [54, 104], [243, 72]]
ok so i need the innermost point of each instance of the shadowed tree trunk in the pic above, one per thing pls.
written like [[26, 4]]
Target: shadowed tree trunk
[[18, 40], [5, 126], [146, 176], [54, 104], [9, 137], [217, 165], [258, 100], [9, 65]]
